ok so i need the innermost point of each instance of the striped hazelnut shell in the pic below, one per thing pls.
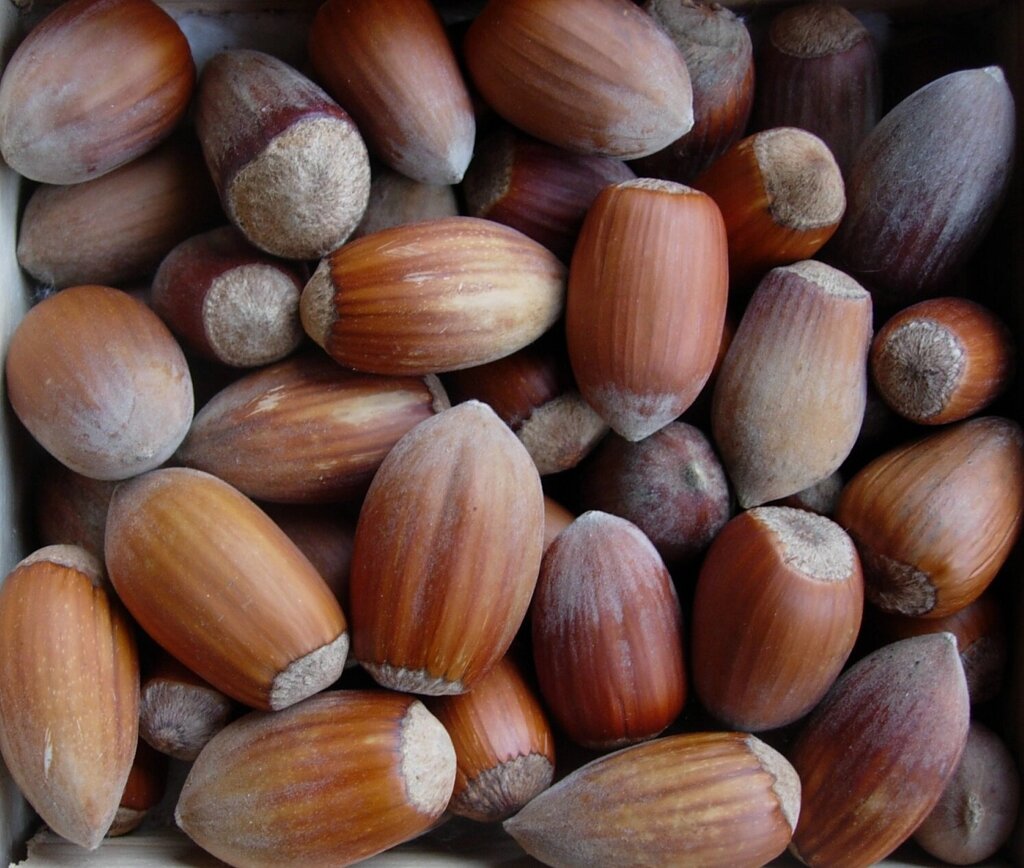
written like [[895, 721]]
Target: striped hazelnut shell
[[591, 76], [69, 114], [718, 799], [935, 519], [69, 691], [925, 186], [217, 584], [942, 360], [306, 430], [247, 798], [446, 555], [877, 752], [504, 746], [790, 394], [432, 296], [607, 634], [644, 330], [390, 64], [782, 197], [775, 582]]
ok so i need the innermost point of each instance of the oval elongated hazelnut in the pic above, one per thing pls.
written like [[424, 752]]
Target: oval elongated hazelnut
[[542, 190], [390, 64], [433, 296], [934, 520], [179, 712], [607, 634], [447, 552], [925, 185], [247, 798], [790, 394], [533, 392], [716, 45], [671, 485], [69, 114], [942, 360], [818, 69], [100, 382], [504, 747], [305, 430], [776, 582], [228, 300], [643, 330], [977, 811], [118, 227], [782, 197], [218, 585], [651, 802], [291, 168], [69, 691], [591, 76], [891, 730]]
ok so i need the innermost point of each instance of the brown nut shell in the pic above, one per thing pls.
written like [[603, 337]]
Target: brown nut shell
[[607, 634], [447, 551], [591, 76], [70, 112], [717, 799], [390, 64], [216, 583], [775, 582], [69, 691], [100, 382], [247, 798], [643, 330], [433, 296], [504, 746], [876, 754], [934, 520]]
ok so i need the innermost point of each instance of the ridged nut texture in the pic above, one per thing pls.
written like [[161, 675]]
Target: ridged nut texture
[[925, 185], [876, 754], [69, 114], [776, 582], [789, 398], [935, 520], [447, 552], [216, 583], [330, 781], [117, 228], [390, 64], [306, 430], [591, 76], [433, 296], [504, 746], [100, 382], [782, 197], [818, 69], [291, 168], [716, 45], [69, 691], [645, 313], [607, 634], [942, 360], [716, 799]]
